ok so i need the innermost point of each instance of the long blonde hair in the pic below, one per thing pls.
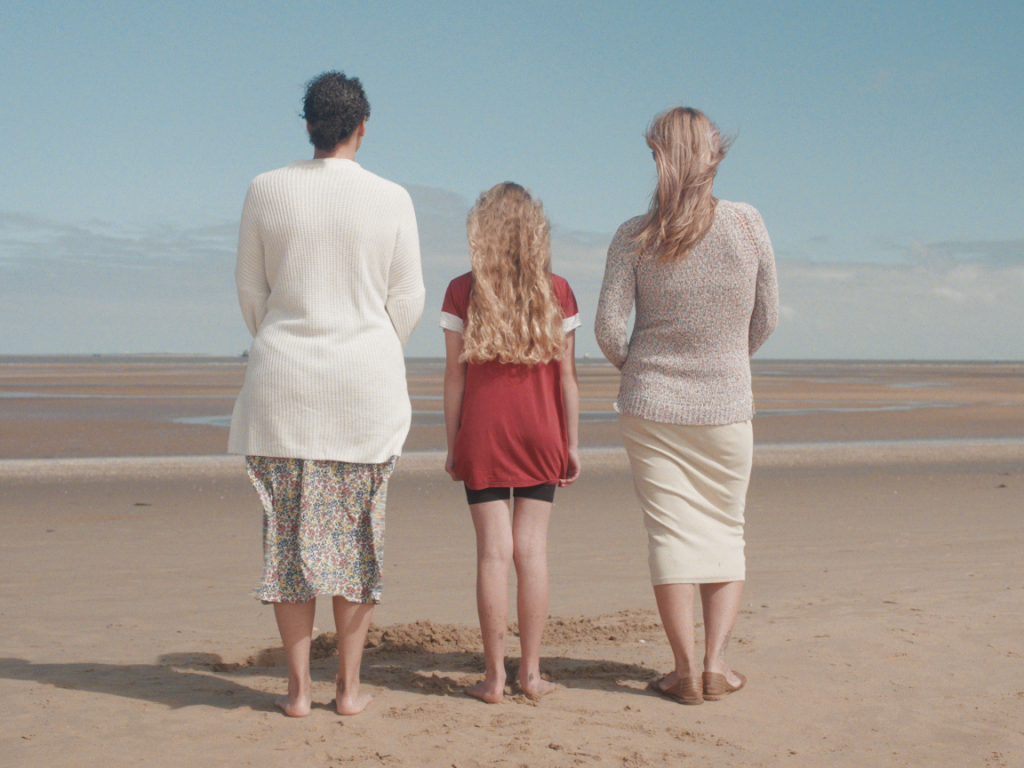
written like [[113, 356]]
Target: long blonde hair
[[687, 149], [513, 315]]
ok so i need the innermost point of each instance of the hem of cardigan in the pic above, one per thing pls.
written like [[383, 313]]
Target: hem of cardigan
[[235, 451], [683, 414]]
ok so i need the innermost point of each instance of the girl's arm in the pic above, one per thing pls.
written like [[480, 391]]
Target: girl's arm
[[571, 401], [454, 389]]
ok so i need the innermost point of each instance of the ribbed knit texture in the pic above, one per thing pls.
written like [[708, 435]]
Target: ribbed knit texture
[[330, 284], [698, 320]]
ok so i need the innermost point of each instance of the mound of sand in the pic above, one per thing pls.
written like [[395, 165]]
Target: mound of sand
[[629, 626], [434, 638]]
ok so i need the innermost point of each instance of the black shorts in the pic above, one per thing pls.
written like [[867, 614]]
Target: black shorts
[[543, 492]]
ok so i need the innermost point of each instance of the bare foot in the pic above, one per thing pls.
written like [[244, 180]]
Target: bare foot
[[353, 705], [491, 691], [536, 687], [295, 707], [349, 704]]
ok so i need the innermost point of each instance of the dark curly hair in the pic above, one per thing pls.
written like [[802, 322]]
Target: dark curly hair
[[334, 106]]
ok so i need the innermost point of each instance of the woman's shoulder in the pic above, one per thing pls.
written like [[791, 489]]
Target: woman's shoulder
[[624, 243], [626, 234], [269, 179], [630, 227], [385, 186], [742, 211]]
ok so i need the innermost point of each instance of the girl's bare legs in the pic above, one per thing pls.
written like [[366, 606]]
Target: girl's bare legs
[[675, 605], [530, 554], [295, 623], [352, 621], [493, 558], [721, 604]]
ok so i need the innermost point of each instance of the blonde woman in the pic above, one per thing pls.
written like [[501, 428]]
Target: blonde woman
[[701, 274], [511, 407]]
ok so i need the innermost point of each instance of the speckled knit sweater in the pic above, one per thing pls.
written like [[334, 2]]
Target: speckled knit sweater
[[698, 320], [329, 283]]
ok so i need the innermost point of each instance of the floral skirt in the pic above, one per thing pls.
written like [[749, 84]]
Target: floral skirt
[[323, 528]]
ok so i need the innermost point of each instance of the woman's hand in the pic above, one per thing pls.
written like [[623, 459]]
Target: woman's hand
[[449, 467], [572, 471]]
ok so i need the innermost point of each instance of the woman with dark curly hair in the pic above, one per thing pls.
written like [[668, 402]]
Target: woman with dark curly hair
[[330, 286]]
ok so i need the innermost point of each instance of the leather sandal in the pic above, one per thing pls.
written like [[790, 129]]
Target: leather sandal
[[687, 690], [717, 686]]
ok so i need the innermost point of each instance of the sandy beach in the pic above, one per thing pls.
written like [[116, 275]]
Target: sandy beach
[[881, 622]]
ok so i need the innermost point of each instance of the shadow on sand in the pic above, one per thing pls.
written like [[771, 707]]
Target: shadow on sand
[[424, 656], [203, 679]]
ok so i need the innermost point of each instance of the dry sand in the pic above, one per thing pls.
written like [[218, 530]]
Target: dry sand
[[881, 625]]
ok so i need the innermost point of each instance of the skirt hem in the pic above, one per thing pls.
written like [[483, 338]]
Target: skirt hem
[[267, 599], [662, 581]]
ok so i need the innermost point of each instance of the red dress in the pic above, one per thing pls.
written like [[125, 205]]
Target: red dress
[[513, 432]]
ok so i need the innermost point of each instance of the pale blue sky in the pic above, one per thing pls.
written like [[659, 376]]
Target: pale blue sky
[[881, 142]]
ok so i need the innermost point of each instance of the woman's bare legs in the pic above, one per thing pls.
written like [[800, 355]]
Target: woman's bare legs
[[675, 605], [295, 623], [352, 621], [721, 603], [530, 519], [493, 559]]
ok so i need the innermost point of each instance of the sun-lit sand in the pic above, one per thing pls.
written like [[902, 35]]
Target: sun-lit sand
[[881, 623]]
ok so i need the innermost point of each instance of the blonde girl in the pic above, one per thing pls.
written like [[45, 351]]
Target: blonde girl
[[511, 407]]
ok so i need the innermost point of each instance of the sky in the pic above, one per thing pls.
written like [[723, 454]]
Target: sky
[[881, 141]]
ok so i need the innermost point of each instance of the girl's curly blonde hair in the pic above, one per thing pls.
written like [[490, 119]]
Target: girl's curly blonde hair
[[513, 315]]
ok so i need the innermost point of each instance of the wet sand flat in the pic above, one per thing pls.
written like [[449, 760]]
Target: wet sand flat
[[157, 406]]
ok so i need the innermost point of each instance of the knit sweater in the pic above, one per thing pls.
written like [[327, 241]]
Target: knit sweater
[[698, 320], [330, 285]]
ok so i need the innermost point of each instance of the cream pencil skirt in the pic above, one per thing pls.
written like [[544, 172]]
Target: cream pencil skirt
[[692, 485]]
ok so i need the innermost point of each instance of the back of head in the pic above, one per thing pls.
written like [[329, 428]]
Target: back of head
[[334, 106], [687, 149], [514, 315]]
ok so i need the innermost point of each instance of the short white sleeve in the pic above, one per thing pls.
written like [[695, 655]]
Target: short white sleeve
[[451, 322]]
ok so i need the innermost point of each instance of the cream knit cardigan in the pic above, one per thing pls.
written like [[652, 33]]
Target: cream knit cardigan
[[330, 285]]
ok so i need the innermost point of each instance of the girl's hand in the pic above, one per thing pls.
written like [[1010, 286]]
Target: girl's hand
[[449, 467], [572, 472]]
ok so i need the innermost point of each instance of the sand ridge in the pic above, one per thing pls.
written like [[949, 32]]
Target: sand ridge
[[766, 456]]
